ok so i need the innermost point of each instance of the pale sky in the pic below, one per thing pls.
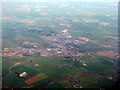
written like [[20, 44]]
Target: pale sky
[[61, 0]]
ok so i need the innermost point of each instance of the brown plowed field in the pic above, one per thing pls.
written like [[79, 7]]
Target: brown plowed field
[[32, 80], [109, 54]]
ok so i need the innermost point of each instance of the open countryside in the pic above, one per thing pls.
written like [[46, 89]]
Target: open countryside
[[59, 45]]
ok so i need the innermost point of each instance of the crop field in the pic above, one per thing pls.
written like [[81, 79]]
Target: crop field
[[107, 54], [55, 69], [59, 45], [42, 76], [32, 80]]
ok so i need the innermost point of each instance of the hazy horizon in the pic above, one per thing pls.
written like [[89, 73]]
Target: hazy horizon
[[60, 1]]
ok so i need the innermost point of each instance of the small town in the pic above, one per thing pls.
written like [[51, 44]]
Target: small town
[[59, 45]]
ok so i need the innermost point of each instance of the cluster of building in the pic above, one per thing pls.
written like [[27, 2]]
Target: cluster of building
[[62, 45], [82, 62], [75, 84]]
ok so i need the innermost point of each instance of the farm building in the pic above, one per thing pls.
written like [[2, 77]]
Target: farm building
[[36, 65], [24, 74]]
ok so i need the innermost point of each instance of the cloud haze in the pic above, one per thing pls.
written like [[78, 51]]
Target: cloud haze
[[60, 0]]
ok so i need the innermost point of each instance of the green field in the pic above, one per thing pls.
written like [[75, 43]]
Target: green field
[[42, 76], [55, 69], [40, 25]]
